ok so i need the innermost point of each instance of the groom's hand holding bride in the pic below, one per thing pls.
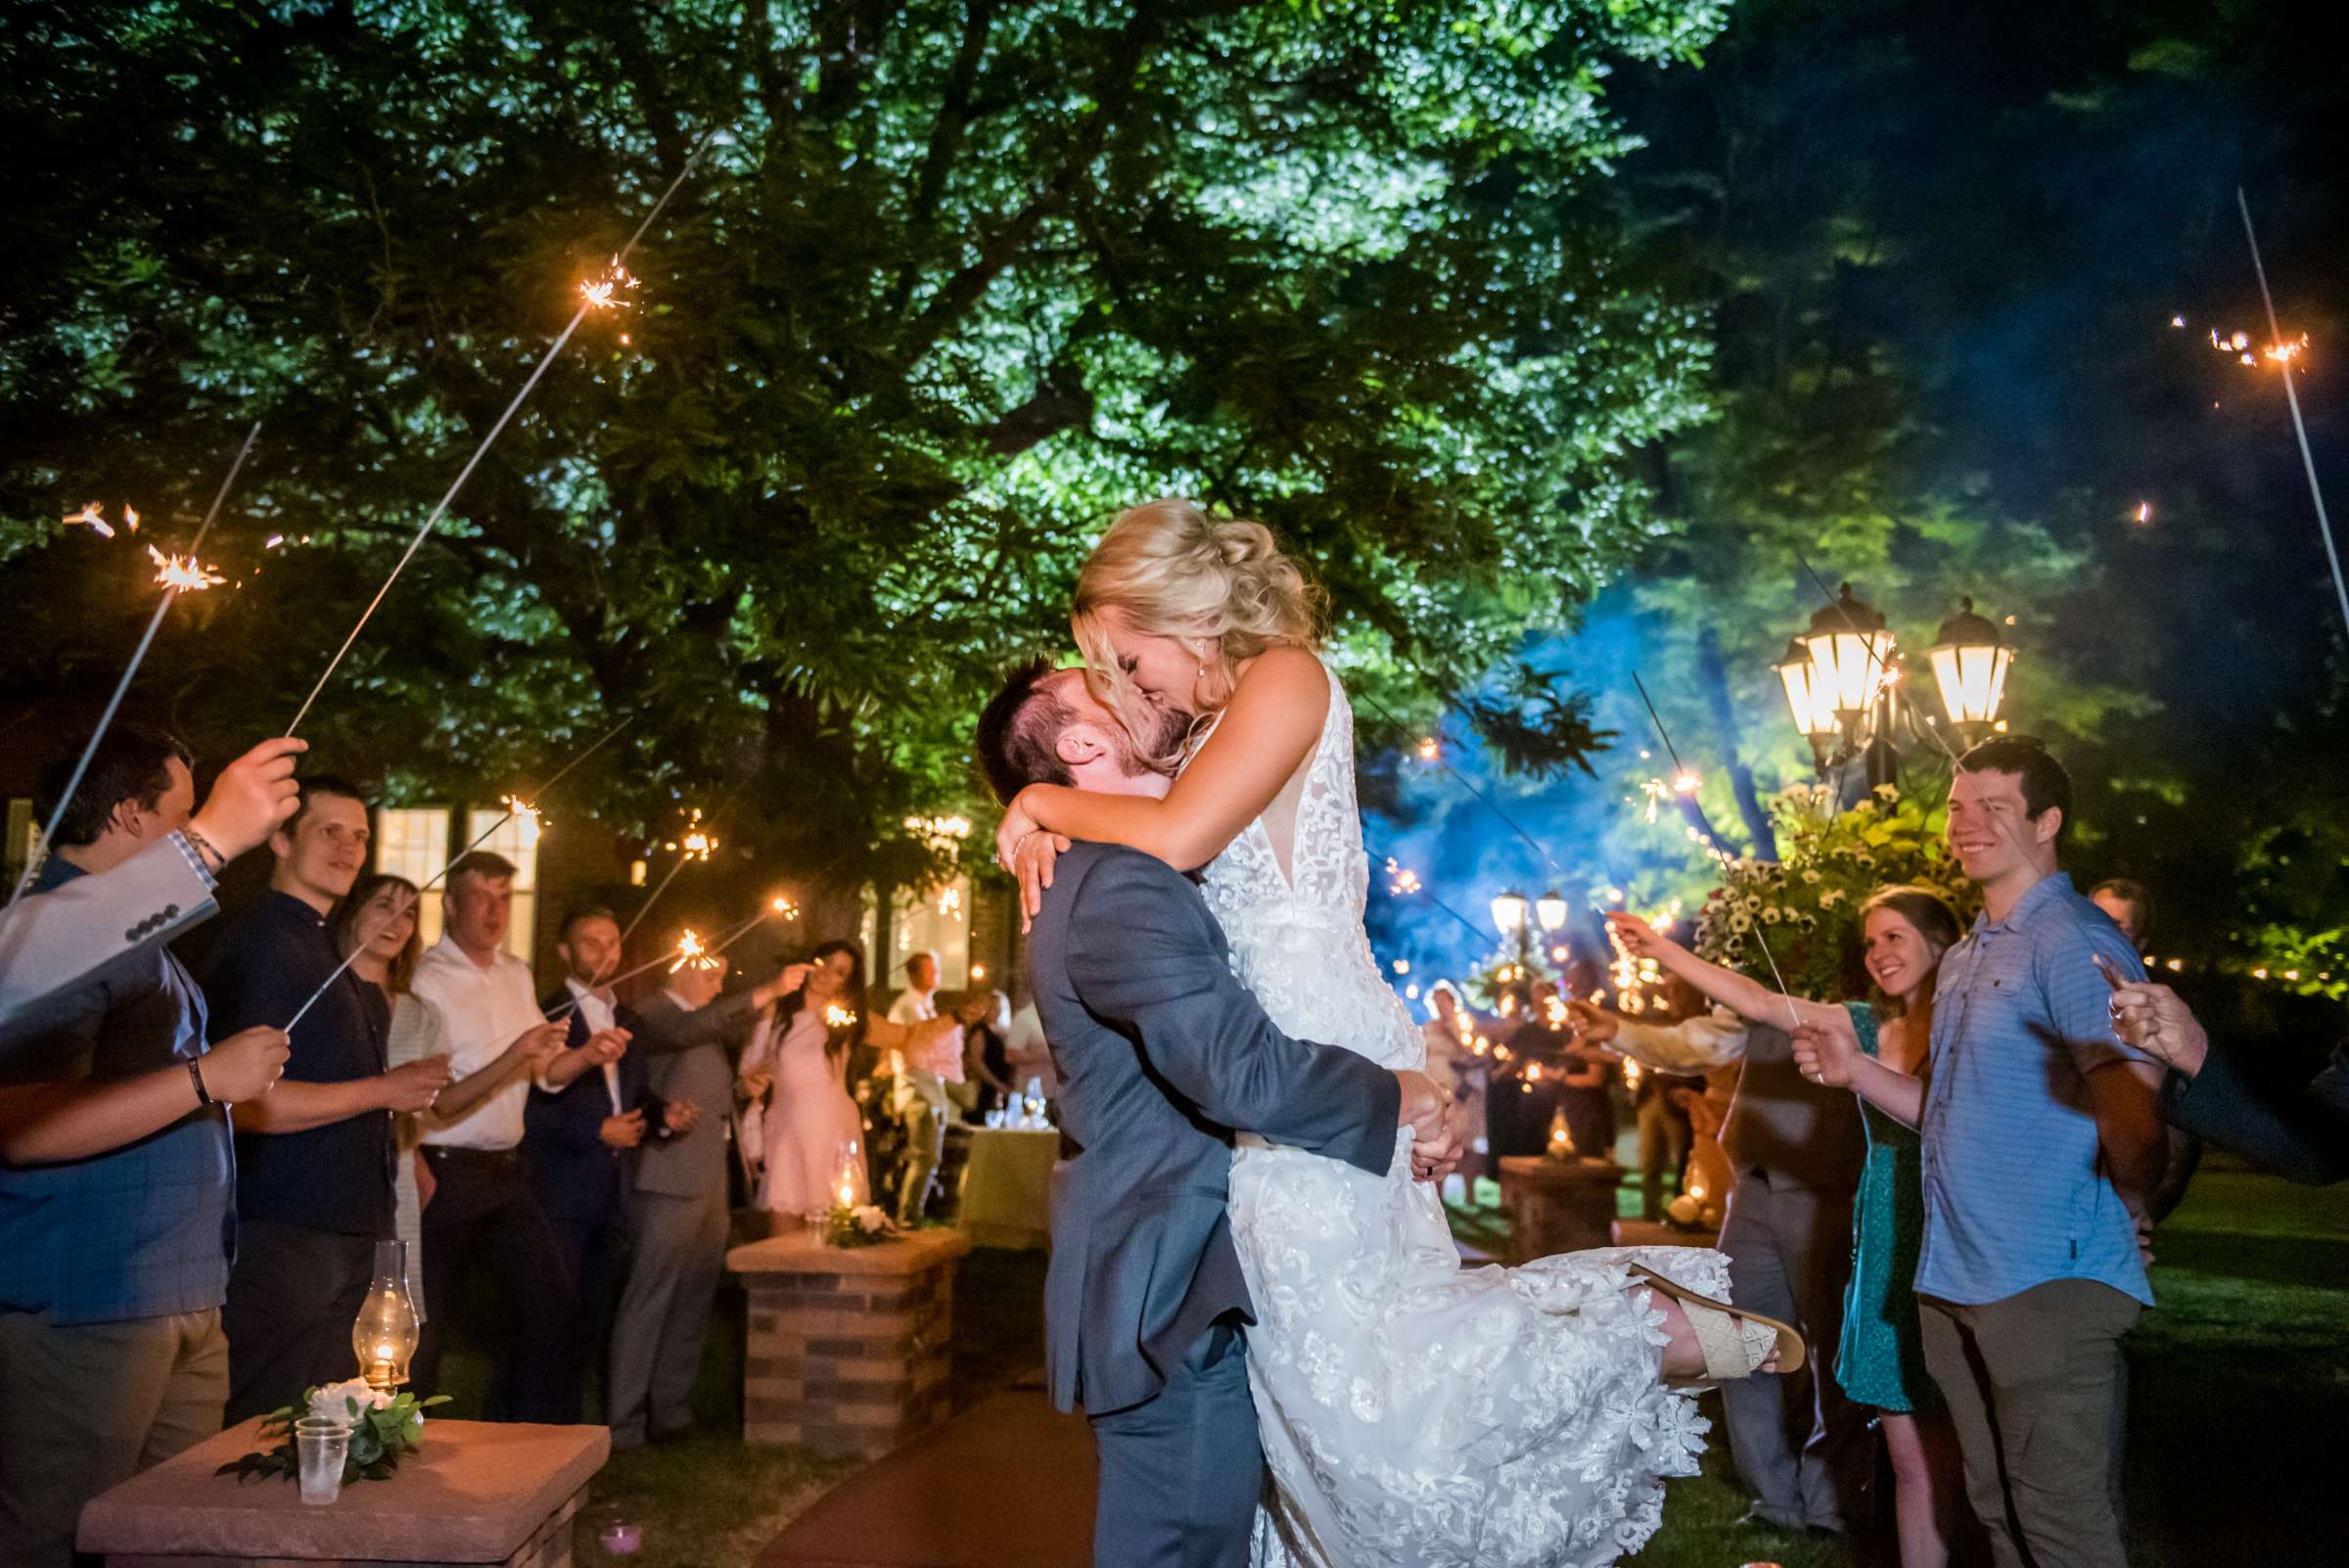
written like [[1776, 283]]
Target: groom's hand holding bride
[[1437, 1136]]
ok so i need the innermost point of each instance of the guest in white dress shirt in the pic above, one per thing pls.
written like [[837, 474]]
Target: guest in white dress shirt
[[919, 1097], [481, 1210]]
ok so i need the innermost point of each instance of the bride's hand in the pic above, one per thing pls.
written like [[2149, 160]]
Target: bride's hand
[[1013, 831], [1032, 866]]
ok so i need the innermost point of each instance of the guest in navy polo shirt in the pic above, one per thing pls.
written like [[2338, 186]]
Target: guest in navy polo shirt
[[316, 1156], [116, 1182]]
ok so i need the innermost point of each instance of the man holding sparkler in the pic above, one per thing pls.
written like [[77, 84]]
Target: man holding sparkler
[[116, 1185], [677, 1221], [482, 1210], [158, 891], [315, 1157]]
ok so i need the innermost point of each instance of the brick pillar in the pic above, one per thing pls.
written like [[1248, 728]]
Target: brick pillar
[[849, 1347]]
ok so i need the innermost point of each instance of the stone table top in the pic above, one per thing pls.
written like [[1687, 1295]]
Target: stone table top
[[474, 1493], [801, 1252]]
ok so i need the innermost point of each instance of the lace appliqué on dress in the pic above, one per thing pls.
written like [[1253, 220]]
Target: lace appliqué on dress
[[1415, 1413]]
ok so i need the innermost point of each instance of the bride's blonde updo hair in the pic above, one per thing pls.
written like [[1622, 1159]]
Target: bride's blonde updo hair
[[1175, 571]]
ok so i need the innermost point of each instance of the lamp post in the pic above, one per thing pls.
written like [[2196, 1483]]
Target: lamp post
[[1969, 666], [1843, 684], [1509, 910]]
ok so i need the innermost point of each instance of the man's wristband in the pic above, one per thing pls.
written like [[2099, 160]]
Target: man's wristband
[[204, 1097], [211, 857]]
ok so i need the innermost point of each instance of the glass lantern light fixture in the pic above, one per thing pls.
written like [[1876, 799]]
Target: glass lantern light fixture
[[384, 1334], [1508, 911], [1550, 909], [1813, 707], [1851, 653], [1969, 666]]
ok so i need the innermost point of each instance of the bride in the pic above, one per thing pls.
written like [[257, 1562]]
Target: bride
[[1412, 1411]]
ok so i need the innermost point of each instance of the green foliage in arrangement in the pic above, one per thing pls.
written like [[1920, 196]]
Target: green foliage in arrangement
[[1795, 923], [383, 1428]]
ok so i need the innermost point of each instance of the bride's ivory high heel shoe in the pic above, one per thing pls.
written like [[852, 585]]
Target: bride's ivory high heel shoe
[[1734, 1343]]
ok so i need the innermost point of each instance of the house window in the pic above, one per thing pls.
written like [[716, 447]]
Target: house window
[[937, 921], [518, 841], [413, 842]]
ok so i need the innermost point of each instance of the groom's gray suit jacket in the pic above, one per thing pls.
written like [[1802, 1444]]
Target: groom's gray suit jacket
[[1162, 1053]]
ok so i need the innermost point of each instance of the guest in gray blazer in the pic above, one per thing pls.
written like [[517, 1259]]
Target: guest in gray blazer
[[77, 931], [677, 1209]]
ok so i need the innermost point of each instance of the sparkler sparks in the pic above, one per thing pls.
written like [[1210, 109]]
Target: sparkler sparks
[[182, 575], [90, 516], [2236, 346], [838, 1017], [1402, 880], [1428, 749], [696, 842], [689, 951], [2144, 511], [603, 294]]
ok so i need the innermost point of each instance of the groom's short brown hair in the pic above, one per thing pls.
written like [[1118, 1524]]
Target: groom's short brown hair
[[1018, 730]]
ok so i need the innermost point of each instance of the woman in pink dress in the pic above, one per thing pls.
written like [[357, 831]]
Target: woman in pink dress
[[811, 1125], [799, 1064]]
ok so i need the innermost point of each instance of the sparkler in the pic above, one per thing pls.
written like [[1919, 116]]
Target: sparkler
[[2291, 394], [598, 293], [690, 951], [188, 576], [90, 516], [587, 304], [515, 806], [1403, 882], [171, 592]]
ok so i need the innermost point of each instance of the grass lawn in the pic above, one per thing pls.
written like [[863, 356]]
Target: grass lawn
[[2240, 1391]]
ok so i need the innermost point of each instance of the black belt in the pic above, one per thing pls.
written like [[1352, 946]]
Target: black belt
[[492, 1159]]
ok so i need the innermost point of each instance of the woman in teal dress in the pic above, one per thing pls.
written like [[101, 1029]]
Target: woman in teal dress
[[1880, 1360]]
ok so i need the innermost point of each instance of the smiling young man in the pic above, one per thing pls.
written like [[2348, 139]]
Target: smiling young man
[[314, 1157], [2042, 1140]]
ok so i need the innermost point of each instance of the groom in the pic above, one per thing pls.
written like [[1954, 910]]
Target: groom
[[1162, 1053]]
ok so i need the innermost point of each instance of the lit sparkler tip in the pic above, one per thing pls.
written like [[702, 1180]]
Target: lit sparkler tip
[[274, 542], [1687, 783], [2144, 511], [1428, 749], [690, 951], [2177, 321], [786, 908], [188, 576], [603, 294], [130, 517], [89, 517]]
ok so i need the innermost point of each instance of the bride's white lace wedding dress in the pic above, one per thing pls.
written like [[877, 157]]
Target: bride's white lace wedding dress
[[1414, 1411]]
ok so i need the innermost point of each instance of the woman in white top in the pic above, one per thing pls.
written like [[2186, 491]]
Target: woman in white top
[[378, 916]]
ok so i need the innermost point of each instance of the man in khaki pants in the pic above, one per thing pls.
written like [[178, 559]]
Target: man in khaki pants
[[116, 1185]]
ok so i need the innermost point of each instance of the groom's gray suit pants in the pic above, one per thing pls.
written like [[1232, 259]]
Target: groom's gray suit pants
[[1180, 1473]]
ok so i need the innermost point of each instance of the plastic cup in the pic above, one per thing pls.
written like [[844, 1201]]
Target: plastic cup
[[321, 1445]]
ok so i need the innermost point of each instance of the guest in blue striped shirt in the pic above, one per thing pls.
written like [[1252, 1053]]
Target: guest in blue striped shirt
[[2042, 1139], [115, 1177]]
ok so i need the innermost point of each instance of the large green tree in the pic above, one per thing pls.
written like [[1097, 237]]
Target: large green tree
[[954, 281]]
